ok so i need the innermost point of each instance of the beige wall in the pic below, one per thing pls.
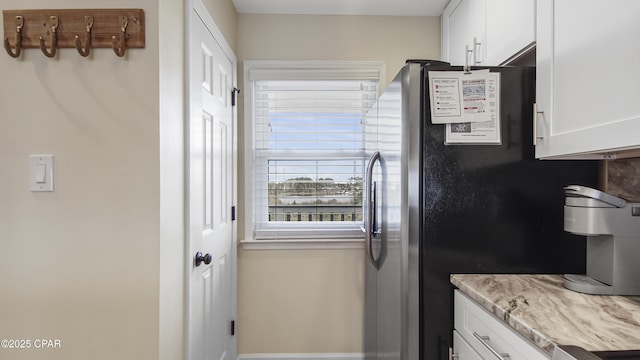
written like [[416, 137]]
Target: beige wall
[[310, 301], [81, 264], [224, 15], [391, 39], [98, 263], [304, 301]]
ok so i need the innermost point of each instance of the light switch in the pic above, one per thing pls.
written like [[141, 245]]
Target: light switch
[[41, 172]]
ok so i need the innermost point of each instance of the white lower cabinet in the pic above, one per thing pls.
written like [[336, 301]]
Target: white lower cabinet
[[479, 334]]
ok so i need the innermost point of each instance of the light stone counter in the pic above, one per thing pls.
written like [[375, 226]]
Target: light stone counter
[[543, 311]]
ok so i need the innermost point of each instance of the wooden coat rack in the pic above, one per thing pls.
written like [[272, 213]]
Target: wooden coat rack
[[82, 29]]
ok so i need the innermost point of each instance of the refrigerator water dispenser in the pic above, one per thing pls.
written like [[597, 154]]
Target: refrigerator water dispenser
[[612, 228]]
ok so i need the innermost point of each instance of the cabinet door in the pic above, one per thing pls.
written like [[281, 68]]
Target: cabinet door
[[462, 349], [462, 21], [587, 93], [488, 335], [511, 28]]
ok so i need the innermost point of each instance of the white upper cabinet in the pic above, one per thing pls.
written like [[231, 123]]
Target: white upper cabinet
[[462, 22], [494, 31], [588, 78], [511, 29]]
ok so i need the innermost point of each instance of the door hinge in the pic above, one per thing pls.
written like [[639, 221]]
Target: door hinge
[[234, 94], [233, 328], [233, 213]]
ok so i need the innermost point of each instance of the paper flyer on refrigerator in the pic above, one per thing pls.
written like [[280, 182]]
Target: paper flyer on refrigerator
[[485, 132], [458, 97]]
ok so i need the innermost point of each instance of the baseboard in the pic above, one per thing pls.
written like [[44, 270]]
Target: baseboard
[[311, 356]]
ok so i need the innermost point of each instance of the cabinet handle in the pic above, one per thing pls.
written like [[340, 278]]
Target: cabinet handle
[[466, 58], [483, 340], [476, 45], [535, 124], [452, 355]]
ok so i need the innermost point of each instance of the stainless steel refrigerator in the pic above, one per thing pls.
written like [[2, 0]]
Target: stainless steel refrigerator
[[433, 209]]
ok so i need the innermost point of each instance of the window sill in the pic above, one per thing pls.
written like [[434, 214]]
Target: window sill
[[302, 244]]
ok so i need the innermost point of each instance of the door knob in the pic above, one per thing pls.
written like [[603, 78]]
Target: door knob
[[206, 258]]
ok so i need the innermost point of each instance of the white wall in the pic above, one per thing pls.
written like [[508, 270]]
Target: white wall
[[311, 301]]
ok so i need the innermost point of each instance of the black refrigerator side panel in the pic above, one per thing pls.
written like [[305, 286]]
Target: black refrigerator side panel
[[491, 208]]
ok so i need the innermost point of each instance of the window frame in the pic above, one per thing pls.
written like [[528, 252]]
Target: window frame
[[294, 70]]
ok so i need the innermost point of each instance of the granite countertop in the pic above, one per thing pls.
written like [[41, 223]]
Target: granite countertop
[[543, 311]]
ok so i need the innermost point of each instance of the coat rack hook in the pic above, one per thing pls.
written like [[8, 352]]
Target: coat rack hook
[[54, 39], [120, 45], [18, 46], [88, 20]]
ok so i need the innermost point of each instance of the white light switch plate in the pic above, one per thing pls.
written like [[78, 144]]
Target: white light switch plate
[[41, 172]]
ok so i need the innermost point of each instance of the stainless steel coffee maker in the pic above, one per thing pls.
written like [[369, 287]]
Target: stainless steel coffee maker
[[612, 227]]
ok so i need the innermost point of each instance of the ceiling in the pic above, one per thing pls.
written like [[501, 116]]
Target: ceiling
[[342, 7]]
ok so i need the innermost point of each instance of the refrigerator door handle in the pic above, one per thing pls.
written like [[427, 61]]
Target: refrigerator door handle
[[370, 226], [374, 210], [375, 229]]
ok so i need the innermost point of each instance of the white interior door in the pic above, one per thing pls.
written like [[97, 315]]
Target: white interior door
[[211, 298]]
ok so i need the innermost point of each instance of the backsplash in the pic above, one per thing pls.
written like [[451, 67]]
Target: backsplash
[[623, 178]]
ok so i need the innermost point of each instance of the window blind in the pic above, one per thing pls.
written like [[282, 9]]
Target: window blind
[[309, 156]]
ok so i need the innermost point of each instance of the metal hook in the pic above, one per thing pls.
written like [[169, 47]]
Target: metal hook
[[88, 20], [54, 39], [18, 46], [119, 46]]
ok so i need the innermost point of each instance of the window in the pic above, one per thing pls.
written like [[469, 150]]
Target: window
[[309, 148]]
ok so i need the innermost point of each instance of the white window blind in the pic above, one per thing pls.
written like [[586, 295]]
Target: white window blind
[[309, 155]]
